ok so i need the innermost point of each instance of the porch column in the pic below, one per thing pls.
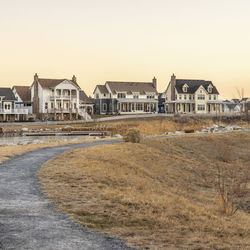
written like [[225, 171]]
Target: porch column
[[76, 113], [70, 113]]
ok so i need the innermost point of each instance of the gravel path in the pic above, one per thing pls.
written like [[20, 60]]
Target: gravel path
[[29, 221]]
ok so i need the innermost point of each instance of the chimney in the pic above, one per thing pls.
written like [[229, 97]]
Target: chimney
[[36, 77], [173, 83], [74, 79], [154, 82]]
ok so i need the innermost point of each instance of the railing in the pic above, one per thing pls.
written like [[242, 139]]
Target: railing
[[63, 96], [64, 110], [14, 111]]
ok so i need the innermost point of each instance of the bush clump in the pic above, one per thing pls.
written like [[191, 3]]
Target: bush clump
[[132, 135]]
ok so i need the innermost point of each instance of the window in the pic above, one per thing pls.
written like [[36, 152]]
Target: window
[[214, 97], [201, 97], [74, 105], [104, 95], [104, 107], [97, 96], [184, 88], [150, 96], [121, 95], [201, 107], [179, 97], [46, 105], [185, 97], [136, 96], [110, 107], [210, 97], [52, 105], [210, 88], [67, 106], [190, 97]]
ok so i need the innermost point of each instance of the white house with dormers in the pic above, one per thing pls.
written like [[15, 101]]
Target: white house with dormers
[[192, 96], [56, 99], [126, 97]]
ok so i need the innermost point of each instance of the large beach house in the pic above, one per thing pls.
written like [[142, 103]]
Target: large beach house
[[56, 99], [126, 97], [192, 96]]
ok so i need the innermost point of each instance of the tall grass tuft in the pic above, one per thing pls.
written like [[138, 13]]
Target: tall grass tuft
[[133, 135]]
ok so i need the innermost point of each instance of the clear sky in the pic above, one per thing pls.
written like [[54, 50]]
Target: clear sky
[[100, 40]]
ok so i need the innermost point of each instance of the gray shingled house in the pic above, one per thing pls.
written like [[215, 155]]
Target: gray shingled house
[[126, 97]]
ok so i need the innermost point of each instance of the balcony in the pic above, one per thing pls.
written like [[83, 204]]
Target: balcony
[[14, 111], [61, 110], [64, 97]]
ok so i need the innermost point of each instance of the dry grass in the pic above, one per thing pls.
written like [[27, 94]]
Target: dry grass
[[6, 152], [147, 126], [158, 194]]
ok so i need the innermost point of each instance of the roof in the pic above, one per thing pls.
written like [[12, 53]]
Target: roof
[[24, 92], [51, 83], [8, 94], [131, 87], [235, 100], [245, 99], [84, 98], [102, 89], [193, 85]]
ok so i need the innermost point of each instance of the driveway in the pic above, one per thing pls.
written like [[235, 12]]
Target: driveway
[[29, 221]]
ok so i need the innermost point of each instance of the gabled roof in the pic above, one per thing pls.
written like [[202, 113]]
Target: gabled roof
[[51, 83], [131, 87], [24, 92], [193, 85], [84, 98], [7, 94], [102, 89]]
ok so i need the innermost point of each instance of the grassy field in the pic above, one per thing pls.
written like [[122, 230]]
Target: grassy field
[[159, 194]]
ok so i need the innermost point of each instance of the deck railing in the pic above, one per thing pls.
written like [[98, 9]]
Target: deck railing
[[14, 111]]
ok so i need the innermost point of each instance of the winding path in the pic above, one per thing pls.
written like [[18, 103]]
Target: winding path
[[29, 221]]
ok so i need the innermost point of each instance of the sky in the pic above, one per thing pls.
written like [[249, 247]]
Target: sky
[[126, 40]]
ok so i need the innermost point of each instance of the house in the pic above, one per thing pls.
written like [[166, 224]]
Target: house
[[8, 112], [192, 96], [56, 99], [245, 104], [126, 97], [23, 97], [230, 107], [86, 103]]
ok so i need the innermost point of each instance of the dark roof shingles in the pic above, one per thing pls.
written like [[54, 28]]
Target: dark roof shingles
[[7, 94], [193, 85]]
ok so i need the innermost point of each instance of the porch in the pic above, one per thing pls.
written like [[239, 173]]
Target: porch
[[137, 106]]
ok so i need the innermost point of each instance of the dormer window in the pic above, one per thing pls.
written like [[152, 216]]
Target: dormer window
[[185, 88], [210, 88]]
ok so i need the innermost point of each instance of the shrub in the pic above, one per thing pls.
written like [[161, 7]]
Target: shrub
[[132, 135]]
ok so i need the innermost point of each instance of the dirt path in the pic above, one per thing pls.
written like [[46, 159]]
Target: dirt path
[[29, 221]]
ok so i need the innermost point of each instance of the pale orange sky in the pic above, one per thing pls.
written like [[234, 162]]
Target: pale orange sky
[[126, 40]]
